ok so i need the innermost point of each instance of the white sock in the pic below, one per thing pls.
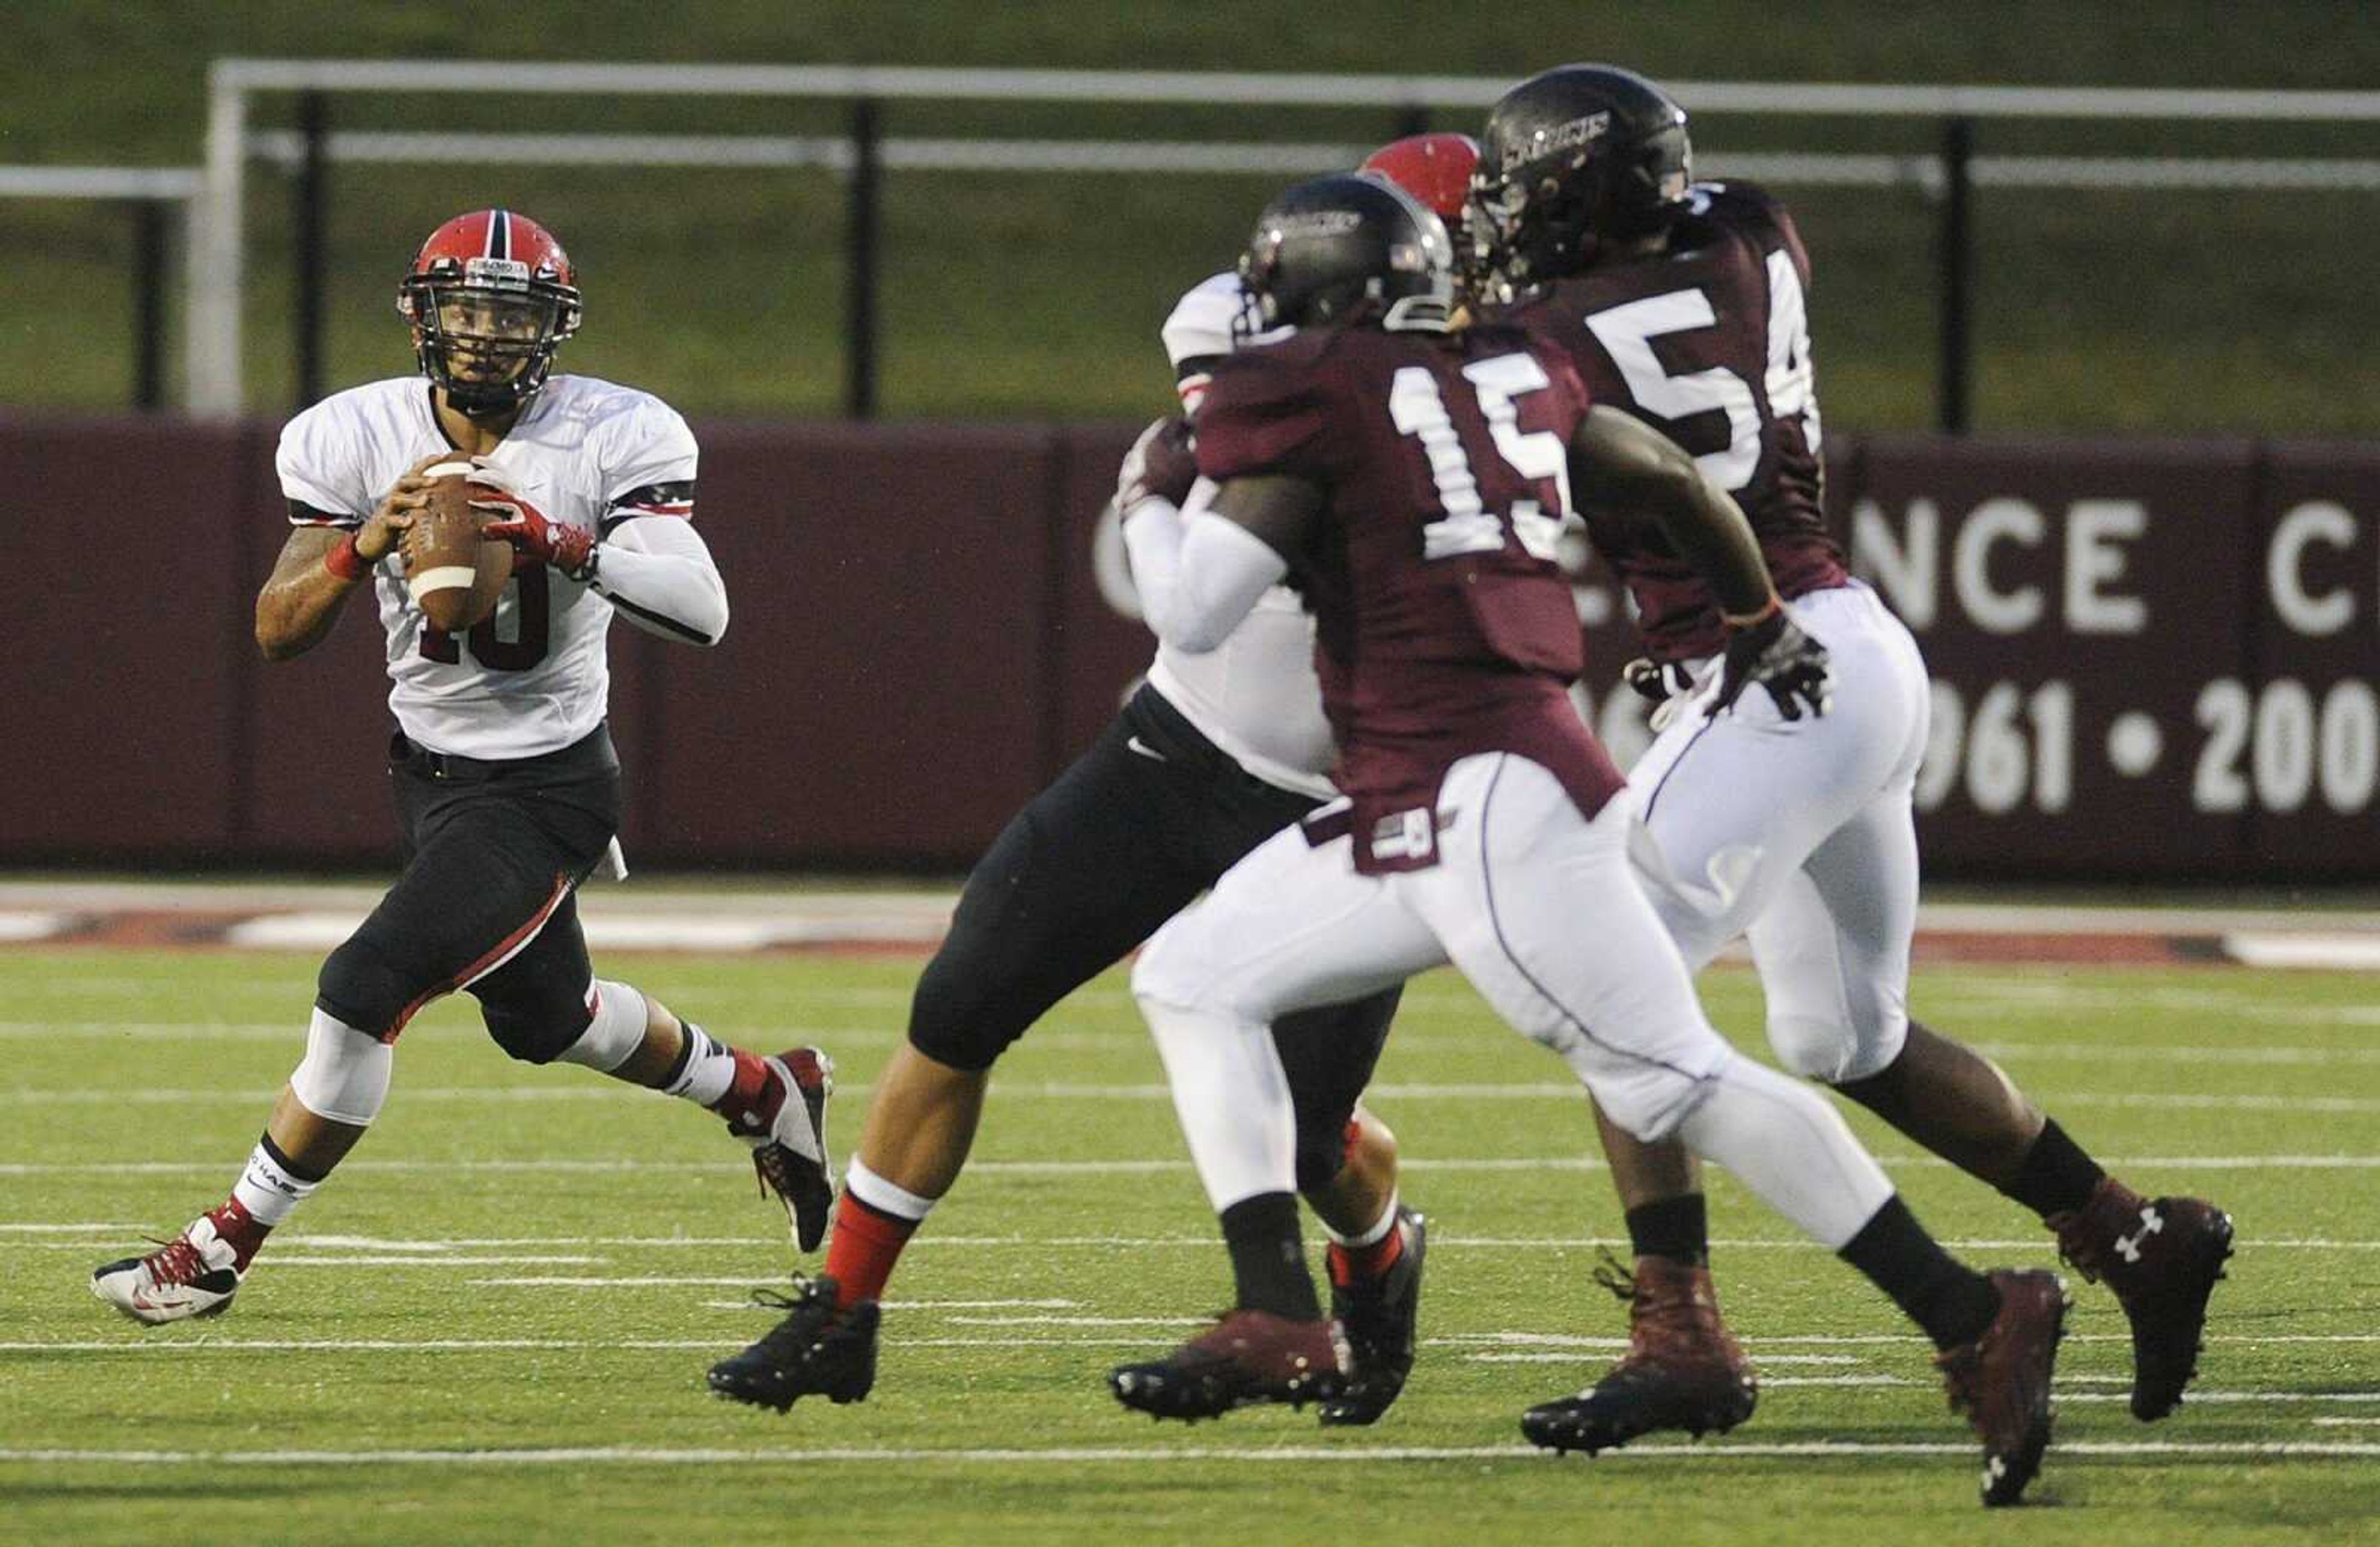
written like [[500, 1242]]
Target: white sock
[[707, 1070], [1375, 1236], [885, 1198], [1785, 1142], [267, 1190], [1232, 1097]]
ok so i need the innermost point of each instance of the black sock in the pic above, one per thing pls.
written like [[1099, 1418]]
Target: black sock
[[1268, 1259], [1677, 1228], [302, 1173], [2057, 1177], [1951, 1301]]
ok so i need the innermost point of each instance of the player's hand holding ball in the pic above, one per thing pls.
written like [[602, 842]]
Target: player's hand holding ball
[[455, 570], [513, 519], [1162, 465], [393, 517]]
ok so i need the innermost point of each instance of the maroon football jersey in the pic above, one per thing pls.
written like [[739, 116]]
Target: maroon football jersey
[[1444, 627], [1710, 343]]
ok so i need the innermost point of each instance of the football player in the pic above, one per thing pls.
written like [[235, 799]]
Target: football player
[[507, 789], [1215, 752], [1413, 477], [1683, 304]]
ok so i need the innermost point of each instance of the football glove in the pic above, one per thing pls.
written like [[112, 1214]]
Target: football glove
[[1657, 681], [1162, 464], [1779, 657], [568, 548]]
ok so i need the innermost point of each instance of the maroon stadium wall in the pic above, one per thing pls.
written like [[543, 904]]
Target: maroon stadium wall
[[2150, 660]]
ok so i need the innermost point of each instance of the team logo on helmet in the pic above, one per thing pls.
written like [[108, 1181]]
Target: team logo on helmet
[[1556, 139]]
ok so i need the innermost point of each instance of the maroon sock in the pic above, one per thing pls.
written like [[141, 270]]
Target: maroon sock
[[861, 1253], [238, 1228], [1353, 1265]]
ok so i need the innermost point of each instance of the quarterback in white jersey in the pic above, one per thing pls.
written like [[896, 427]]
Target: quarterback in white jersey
[[592, 457], [507, 788]]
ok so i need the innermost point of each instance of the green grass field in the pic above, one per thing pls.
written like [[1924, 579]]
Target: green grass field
[[492, 1325], [1032, 296]]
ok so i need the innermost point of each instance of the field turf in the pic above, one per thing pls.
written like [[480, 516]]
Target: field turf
[[493, 1324]]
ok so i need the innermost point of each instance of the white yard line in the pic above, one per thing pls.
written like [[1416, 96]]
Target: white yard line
[[300, 1259], [1765, 1361], [1360, 1454], [1108, 1168], [2293, 1103]]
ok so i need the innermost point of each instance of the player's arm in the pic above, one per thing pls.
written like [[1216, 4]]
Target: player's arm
[[1200, 571], [1619, 460], [321, 563], [659, 573]]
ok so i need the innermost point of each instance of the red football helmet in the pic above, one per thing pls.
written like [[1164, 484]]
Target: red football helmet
[[1434, 168], [490, 297]]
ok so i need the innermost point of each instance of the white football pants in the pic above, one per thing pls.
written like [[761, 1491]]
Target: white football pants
[[1801, 835], [1540, 910]]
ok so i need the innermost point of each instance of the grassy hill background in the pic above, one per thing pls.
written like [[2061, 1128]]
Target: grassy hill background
[[1038, 295]]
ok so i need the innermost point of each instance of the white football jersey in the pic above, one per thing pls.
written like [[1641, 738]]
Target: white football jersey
[[1255, 697], [534, 678]]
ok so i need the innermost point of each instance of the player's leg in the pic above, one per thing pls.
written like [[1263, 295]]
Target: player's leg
[[1833, 956], [1346, 1156], [545, 1004], [1734, 804], [1511, 897], [1289, 928], [472, 891], [1078, 877], [1347, 1172]]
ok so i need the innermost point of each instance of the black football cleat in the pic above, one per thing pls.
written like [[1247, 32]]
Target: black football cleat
[[1247, 1357], [822, 1348], [1379, 1319], [2002, 1379], [2161, 1258], [1684, 1369]]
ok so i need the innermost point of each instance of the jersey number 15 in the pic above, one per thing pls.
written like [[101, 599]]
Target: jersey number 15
[[1468, 527]]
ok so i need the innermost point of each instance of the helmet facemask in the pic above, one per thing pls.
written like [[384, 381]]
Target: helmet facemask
[[485, 330]]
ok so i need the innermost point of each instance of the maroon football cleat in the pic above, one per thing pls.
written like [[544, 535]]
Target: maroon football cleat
[[2161, 1258], [788, 1139], [1247, 1357], [2002, 1379], [1684, 1369]]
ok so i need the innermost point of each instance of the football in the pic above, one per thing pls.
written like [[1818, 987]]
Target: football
[[455, 574]]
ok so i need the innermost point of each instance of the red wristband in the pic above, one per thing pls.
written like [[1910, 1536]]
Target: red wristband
[[343, 561]]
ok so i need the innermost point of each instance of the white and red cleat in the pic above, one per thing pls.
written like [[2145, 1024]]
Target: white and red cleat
[[788, 1139], [194, 1275]]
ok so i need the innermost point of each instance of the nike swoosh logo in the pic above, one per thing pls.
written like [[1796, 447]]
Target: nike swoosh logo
[[1135, 744]]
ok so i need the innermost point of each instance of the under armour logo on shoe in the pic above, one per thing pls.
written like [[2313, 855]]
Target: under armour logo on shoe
[[2128, 1247]]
